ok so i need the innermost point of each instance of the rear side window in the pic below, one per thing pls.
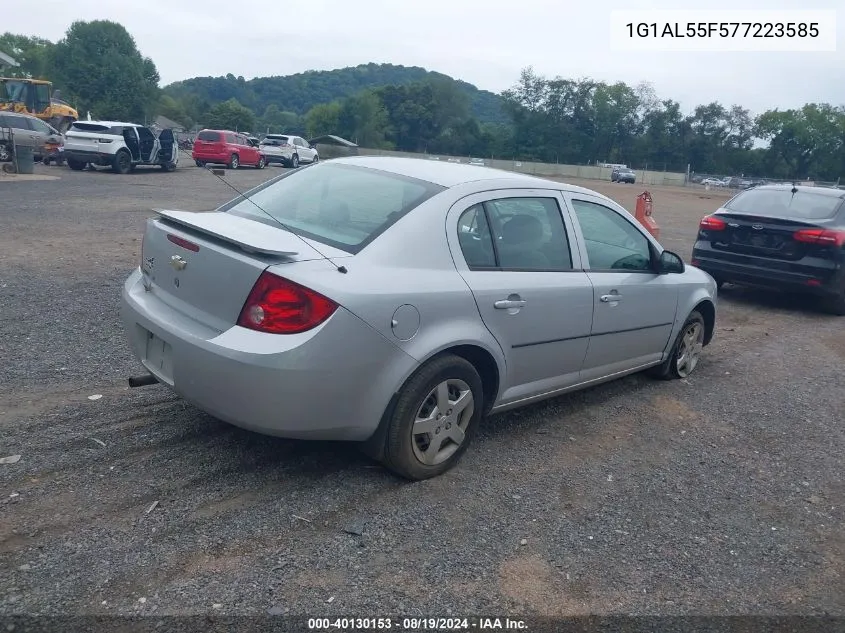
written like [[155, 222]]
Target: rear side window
[[344, 206], [528, 234], [781, 203], [19, 123], [210, 137], [79, 126]]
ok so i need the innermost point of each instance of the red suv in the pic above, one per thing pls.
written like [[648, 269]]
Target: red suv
[[227, 148]]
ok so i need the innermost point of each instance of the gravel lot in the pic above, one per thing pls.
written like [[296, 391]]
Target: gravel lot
[[720, 494]]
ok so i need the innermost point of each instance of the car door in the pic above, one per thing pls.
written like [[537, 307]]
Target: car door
[[305, 151], [633, 306], [168, 147], [249, 154], [513, 250]]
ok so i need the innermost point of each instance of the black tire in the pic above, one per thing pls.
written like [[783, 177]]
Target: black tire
[[835, 305], [5, 153], [199, 163], [294, 161], [668, 370], [122, 162], [234, 162], [316, 159], [75, 165], [168, 167], [400, 455], [261, 163]]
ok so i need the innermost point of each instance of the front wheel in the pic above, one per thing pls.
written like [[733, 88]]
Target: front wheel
[[261, 163], [168, 166], [686, 352], [435, 417], [316, 159], [75, 165]]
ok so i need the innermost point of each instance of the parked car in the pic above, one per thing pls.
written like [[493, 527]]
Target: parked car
[[478, 162], [713, 182], [28, 131], [779, 236], [224, 147], [121, 146], [623, 174], [397, 301], [289, 150]]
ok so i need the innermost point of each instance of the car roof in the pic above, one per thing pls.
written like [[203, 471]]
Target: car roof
[[823, 191], [111, 123], [449, 175]]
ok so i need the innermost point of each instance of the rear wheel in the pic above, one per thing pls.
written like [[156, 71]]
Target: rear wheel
[[435, 417], [5, 153], [686, 352], [122, 162], [168, 166], [200, 163], [234, 162], [75, 165], [294, 161], [836, 305]]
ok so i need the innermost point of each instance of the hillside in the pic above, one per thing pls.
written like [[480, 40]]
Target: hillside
[[298, 93]]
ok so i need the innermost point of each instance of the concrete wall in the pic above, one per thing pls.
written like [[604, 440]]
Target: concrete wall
[[590, 172]]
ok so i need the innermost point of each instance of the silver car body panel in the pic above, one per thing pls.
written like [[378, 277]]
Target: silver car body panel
[[406, 297]]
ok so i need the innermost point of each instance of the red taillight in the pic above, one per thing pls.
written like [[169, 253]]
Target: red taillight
[[181, 241], [279, 306], [822, 237], [712, 223]]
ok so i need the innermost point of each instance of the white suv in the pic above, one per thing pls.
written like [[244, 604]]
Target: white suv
[[288, 150], [121, 146]]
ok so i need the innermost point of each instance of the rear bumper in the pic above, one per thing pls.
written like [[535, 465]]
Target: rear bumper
[[332, 383], [824, 279], [83, 156], [212, 157]]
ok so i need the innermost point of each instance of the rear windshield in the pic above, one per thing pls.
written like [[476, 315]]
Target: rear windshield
[[283, 139], [781, 203], [344, 206], [208, 136], [96, 127]]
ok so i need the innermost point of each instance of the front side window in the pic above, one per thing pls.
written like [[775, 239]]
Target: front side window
[[515, 234], [612, 242], [344, 206]]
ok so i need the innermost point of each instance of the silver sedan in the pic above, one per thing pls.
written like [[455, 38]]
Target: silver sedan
[[396, 302]]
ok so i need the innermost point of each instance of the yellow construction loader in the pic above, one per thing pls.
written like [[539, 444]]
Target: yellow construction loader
[[36, 97]]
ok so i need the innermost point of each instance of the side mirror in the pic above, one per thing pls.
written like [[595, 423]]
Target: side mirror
[[669, 262]]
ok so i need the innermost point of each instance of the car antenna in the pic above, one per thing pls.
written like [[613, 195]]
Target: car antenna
[[340, 269]]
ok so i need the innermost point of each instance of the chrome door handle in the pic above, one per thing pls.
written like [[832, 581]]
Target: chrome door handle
[[609, 298], [506, 304]]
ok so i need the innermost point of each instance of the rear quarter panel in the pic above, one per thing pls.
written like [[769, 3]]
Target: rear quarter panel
[[408, 265]]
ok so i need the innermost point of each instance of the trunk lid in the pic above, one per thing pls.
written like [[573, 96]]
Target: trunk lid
[[205, 264], [763, 236]]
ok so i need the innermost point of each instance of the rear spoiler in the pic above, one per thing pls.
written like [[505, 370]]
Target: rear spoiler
[[247, 234]]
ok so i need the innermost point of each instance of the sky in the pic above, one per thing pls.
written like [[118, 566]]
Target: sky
[[483, 43]]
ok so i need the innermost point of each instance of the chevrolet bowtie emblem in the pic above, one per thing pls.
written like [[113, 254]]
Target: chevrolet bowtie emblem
[[178, 263]]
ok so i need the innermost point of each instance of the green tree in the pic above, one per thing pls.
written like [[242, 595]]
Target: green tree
[[31, 53], [100, 68], [173, 110], [231, 115], [276, 120], [363, 120], [323, 119]]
